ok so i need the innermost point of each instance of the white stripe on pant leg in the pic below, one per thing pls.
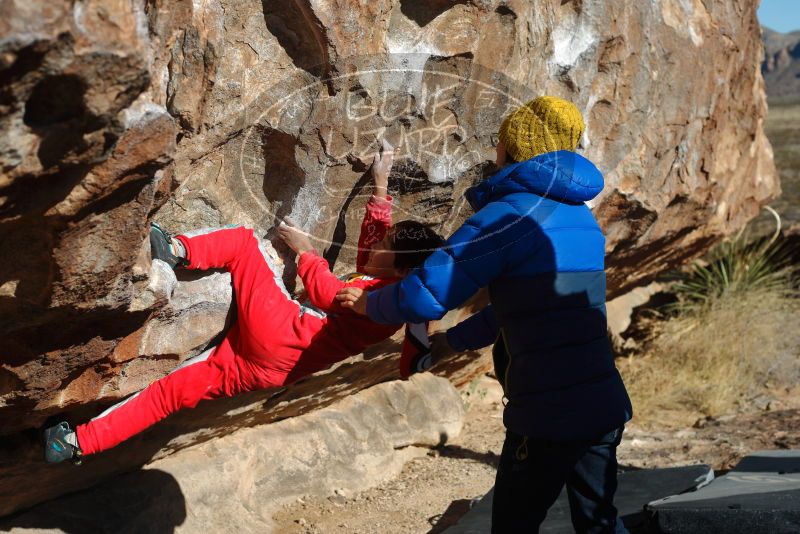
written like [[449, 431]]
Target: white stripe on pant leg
[[209, 230], [270, 261], [267, 257], [203, 356], [303, 308]]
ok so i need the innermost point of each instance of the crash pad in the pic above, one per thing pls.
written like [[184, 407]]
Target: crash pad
[[761, 495], [636, 488]]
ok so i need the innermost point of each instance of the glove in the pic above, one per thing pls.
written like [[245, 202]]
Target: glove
[[416, 354]]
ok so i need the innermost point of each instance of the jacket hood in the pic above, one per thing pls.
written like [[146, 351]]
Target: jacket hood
[[563, 176]]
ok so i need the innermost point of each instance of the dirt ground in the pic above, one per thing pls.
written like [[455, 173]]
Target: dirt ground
[[434, 491]]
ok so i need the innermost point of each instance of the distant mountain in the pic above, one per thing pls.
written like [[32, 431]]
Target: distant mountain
[[781, 66]]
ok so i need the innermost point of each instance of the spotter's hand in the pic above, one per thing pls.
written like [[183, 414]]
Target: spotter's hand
[[354, 298], [440, 348], [295, 238]]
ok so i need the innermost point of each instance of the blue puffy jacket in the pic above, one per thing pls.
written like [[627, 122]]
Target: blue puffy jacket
[[540, 251]]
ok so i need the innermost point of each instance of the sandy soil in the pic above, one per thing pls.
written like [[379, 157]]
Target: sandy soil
[[431, 493], [434, 491]]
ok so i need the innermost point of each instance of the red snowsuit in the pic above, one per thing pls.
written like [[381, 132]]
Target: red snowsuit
[[273, 342]]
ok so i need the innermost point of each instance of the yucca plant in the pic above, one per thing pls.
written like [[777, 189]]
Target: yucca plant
[[732, 330], [738, 265]]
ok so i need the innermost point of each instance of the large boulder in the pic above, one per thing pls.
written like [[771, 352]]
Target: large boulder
[[195, 114]]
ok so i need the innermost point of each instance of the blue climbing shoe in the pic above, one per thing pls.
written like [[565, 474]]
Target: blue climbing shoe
[[161, 249], [57, 448]]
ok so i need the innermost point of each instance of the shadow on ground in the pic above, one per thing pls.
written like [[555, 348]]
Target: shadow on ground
[[142, 501], [441, 522], [455, 451]]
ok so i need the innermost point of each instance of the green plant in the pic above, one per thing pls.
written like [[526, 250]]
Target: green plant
[[735, 328], [738, 265]]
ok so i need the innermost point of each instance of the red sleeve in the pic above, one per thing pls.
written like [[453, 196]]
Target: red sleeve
[[377, 221], [322, 285]]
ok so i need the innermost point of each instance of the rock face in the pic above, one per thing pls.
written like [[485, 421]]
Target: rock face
[[781, 66], [116, 113]]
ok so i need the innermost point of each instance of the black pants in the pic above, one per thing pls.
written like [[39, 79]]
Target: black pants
[[532, 473]]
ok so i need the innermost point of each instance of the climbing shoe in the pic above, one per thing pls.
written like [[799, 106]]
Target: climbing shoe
[[61, 443], [161, 247]]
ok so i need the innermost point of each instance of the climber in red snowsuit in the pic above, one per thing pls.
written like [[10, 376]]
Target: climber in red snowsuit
[[274, 341]]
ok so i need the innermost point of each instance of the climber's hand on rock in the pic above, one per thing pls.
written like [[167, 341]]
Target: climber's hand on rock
[[295, 238], [381, 166], [354, 298]]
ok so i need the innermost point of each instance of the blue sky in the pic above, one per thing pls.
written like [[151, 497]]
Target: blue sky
[[780, 15]]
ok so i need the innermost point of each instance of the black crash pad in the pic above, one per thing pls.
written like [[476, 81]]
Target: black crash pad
[[761, 495], [636, 488]]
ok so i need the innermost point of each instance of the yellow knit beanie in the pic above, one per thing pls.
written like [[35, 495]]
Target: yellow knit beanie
[[545, 124]]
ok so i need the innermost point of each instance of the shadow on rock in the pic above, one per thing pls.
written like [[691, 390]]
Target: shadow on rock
[[423, 12], [143, 501]]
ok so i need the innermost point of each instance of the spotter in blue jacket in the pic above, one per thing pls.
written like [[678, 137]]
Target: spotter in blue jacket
[[536, 245]]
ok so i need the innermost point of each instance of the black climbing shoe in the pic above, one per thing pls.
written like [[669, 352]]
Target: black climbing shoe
[[56, 447], [160, 248]]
